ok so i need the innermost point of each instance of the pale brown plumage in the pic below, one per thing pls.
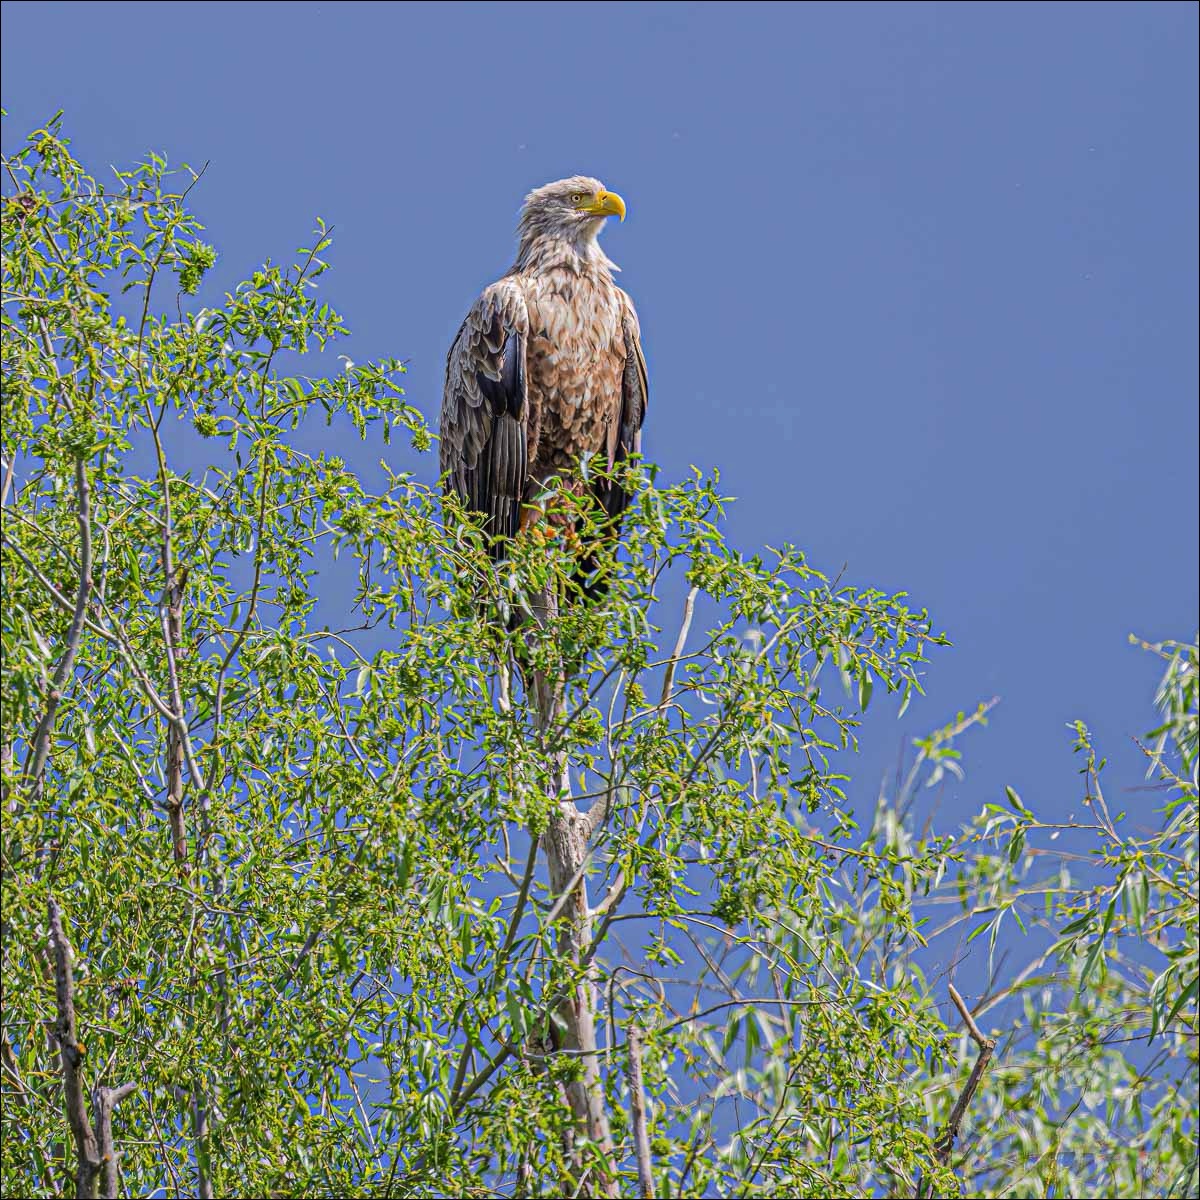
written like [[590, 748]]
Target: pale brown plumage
[[547, 367]]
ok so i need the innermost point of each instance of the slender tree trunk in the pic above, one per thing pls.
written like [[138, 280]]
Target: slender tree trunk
[[173, 632], [566, 844], [96, 1172]]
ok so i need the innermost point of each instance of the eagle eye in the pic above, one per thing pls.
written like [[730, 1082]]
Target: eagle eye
[[576, 197]]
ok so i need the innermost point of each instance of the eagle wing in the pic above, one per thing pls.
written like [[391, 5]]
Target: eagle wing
[[485, 408], [625, 435]]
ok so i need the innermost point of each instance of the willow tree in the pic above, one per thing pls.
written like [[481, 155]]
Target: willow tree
[[278, 916]]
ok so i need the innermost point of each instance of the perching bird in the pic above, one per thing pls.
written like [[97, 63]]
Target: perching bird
[[547, 367]]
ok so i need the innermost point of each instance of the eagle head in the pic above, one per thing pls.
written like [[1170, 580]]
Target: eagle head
[[571, 209]]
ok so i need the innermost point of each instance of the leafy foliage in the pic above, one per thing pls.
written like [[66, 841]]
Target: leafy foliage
[[298, 862]]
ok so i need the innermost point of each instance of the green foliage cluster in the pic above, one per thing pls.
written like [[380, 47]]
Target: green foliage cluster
[[339, 978]]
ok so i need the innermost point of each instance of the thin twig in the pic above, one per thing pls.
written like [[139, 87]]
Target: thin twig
[[689, 1018], [519, 910], [124, 648]]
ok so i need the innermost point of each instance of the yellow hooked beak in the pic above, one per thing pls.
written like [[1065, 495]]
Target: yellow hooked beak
[[606, 204]]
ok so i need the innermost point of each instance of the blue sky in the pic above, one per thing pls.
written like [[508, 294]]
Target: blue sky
[[920, 279]]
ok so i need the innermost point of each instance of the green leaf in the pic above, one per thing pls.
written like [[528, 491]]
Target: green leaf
[[1093, 960], [1017, 803], [1188, 994]]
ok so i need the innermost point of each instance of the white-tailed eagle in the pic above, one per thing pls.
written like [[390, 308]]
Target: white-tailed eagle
[[547, 367]]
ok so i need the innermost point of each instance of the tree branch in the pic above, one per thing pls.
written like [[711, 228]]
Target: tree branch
[[945, 1144], [104, 1100], [200, 1141], [689, 607], [9, 466], [566, 843], [519, 909], [637, 1108], [95, 1156], [40, 748], [172, 620], [124, 648], [87, 1154]]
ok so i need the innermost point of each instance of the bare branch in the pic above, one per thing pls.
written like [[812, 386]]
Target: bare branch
[[959, 1003], [689, 608], [104, 1100], [945, 1144], [613, 897], [8, 465]]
